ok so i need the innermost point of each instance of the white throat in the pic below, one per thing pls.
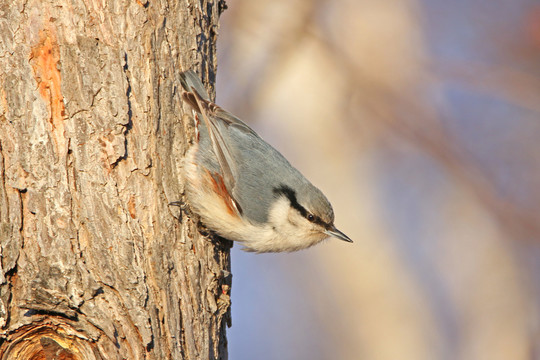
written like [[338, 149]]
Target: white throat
[[286, 230]]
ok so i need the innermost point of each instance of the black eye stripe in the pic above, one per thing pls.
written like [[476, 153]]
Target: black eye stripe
[[290, 194], [317, 220]]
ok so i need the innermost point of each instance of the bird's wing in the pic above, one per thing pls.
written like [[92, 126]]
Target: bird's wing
[[214, 118]]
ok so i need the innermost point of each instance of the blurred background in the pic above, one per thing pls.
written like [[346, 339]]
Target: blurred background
[[420, 121]]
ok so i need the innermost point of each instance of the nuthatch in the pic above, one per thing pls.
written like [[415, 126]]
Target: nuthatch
[[245, 190]]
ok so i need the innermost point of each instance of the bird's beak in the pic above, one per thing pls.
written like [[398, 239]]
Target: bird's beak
[[338, 234]]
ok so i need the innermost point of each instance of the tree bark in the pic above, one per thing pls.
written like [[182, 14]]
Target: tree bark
[[94, 263]]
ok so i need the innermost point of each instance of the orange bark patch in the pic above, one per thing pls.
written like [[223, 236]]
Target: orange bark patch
[[3, 102], [131, 207], [45, 58]]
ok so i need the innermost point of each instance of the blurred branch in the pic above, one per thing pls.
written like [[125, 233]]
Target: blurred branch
[[434, 140], [425, 131], [512, 86]]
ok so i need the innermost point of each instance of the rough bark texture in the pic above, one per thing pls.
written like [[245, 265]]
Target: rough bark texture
[[94, 263]]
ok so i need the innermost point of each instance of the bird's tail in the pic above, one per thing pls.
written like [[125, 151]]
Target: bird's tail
[[191, 82]]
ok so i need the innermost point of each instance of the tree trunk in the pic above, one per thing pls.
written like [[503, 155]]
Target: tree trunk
[[94, 262]]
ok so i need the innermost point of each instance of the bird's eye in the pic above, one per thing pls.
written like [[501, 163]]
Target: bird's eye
[[310, 217]]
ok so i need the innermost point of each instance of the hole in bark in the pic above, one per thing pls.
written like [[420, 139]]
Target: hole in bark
[[99, 291], [34, 312], [150, 346]]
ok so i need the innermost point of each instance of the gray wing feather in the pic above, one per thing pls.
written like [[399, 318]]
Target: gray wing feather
[[216, 121], [221, 149], [233, 121]]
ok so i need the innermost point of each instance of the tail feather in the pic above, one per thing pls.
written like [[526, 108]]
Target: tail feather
[[191, 82]]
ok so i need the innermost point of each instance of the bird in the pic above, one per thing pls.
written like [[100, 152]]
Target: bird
[[243, 189]]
